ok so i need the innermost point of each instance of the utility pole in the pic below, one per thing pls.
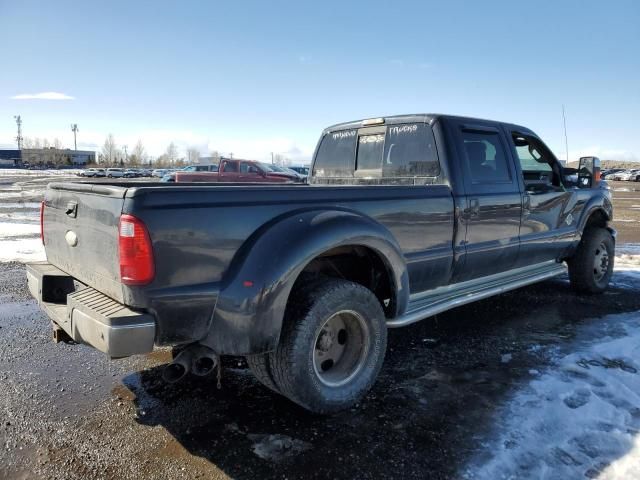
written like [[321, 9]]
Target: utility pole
[[272, 158], [566, 143], [19, 137], [125, 153], [74, 129]]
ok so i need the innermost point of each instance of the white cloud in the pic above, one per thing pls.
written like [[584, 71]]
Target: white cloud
[[43, 96]]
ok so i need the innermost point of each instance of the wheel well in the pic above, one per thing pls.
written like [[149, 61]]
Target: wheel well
[[360, 265], [597, 219]]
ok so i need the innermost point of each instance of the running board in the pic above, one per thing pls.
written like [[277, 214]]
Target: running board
[[446, 298]]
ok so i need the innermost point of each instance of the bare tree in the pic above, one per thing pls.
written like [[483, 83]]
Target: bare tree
[[58, 155], [172, 153], [162, 161], [109, 149], [139, 155], [281, 160], [193, 155], [215, 156]]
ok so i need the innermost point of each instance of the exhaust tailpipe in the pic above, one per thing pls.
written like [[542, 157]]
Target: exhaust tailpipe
[[204, 362], [180, 366]]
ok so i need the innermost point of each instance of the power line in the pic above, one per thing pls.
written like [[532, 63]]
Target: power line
[[566, 143]]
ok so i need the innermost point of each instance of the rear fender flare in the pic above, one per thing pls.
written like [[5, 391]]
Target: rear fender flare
[[254, 294]]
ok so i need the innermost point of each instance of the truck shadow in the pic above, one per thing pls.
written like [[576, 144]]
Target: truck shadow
[[431, 408]]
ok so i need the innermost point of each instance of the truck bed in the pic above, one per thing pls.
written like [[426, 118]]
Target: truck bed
[[200, 232]]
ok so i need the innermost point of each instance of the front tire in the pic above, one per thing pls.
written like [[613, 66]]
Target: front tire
[[591, 268], [331, 347]]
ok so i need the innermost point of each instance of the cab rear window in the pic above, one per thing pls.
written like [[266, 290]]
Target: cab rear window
[[391, 155]]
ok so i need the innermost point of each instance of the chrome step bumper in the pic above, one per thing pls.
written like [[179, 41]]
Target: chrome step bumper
[[89, 316]]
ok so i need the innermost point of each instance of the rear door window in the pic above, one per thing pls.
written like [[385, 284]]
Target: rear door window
[[485, 157], [230, 167]]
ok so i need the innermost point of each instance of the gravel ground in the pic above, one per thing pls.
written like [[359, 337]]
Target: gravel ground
[[67, 412]]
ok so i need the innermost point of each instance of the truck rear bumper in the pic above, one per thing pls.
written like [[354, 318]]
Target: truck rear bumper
[[89, 316]]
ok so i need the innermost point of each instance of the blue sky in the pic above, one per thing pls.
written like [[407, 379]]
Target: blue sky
[[256, 77]]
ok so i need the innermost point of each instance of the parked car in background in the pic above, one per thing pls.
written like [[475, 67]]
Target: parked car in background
[[301, 169], [238, 170], [609, 173], [629, 176], [286, 171], [90, 172], [171, 176], [115, 172], [159, 172], [132, 173]]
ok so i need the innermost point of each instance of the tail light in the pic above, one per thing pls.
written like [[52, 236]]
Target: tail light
[[42, 221], [136, 255]]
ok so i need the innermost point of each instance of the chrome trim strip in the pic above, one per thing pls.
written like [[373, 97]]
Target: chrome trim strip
[[463, 297]]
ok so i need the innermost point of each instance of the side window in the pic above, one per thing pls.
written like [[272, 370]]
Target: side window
[[410, 151], [335, 157], [230, 167], [248, 168], [485, 158], [530, 158]]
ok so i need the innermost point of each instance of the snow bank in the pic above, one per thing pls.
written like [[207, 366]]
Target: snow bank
[[579, 419]]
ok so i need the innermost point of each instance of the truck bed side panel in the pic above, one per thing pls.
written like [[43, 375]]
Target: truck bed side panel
[[197, 231]]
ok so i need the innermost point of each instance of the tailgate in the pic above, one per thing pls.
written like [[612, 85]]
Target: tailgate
[[81, 233]]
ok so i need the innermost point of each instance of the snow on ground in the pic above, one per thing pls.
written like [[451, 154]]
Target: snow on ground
[[20, 205], [22, 250], [578, 419], [8, 229], [20, 217], [581, 417], [16, 172]]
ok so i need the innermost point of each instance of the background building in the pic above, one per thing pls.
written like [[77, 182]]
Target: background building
[[49, 157], [9, 158]]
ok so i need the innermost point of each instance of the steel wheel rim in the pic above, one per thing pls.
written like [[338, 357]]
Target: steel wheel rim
[[600, 262], [340, 348]]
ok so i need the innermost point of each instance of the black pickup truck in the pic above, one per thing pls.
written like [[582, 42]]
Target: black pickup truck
[[402, 218]]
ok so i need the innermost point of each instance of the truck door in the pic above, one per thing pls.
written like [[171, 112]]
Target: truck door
[[229, 171], [250, 173], [547, 226], [493, 200]]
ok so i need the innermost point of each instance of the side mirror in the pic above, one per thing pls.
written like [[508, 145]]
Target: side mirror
[[588, 172]]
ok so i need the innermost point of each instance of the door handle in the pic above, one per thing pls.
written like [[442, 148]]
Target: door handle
[[526, 205], [474, 207]]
